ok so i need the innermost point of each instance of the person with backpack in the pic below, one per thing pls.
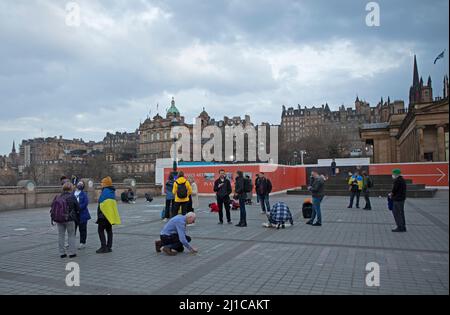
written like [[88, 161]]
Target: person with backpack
[[65, 212], [170, 197], [355, 187], [107, 215], [85, 216], [241, 187], [263, 190], [367, 185], [222, 188], [181, 190]]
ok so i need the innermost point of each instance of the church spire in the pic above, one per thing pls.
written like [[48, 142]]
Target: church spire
[[416, 73], [14, 147]]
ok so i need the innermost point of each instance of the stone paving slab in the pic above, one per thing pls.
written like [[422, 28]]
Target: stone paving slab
[[297, 260]]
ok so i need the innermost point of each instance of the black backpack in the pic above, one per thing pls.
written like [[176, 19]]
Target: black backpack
[[369, 182], [307, 210], [182, 191], [248, 187]]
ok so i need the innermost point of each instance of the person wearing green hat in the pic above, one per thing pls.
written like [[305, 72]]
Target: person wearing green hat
[[398, 196]]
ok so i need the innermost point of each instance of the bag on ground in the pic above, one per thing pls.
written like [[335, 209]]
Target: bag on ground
[[307, 209]]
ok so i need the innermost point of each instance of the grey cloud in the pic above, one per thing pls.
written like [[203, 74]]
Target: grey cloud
[[53, 72]]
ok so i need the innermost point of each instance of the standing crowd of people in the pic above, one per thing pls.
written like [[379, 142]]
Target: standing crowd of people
[[69, 210]]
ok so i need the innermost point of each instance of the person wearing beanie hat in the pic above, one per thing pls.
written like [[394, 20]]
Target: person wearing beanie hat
[[106, 182], [396, 172], [398, 196], [107, 215]]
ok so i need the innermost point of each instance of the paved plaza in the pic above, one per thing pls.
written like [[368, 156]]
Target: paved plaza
[[301, 259]]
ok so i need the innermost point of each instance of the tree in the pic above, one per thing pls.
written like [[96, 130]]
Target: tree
[[97, 167], [8, 178], [329, 142]]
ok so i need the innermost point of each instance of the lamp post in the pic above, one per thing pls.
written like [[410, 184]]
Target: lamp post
[[174, 124], [302, 153]]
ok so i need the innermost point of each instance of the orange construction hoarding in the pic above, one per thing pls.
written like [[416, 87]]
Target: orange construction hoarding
[[429, 174], [282, 177], [289, 177]]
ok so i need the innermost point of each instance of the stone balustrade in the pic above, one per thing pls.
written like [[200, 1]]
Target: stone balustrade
[[26, 195]]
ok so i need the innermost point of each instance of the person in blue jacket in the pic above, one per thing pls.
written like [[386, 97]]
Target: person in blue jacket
[[170, 198], [85, 216]]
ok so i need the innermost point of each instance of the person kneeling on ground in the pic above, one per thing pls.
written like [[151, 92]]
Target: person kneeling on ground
[[173, 236], [148, 197], [279, 215], [131, 196]]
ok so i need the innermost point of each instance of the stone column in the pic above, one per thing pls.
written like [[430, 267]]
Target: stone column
[[441, 142], [420, 129], [394, 146]]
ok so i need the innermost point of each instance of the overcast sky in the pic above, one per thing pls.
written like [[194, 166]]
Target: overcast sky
[[231, 57]]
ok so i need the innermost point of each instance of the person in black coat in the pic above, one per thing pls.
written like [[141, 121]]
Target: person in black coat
[[398, 196], [333, 168], [263, 190], [241, 195], [222, 188]]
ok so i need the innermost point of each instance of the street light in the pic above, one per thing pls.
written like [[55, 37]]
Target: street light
[[302, 152], [174, 124]]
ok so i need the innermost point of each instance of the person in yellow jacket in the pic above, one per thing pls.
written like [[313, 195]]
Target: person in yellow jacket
[[181, 190], [355, 184]]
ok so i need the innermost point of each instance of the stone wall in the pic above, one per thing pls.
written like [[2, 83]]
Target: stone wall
[[16, 197]]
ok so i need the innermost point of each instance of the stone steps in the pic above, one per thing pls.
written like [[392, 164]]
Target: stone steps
[[375, 187], [422, 193], [337, 186]]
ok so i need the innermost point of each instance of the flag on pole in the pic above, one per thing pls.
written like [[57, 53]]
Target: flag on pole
[[441, 55]]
